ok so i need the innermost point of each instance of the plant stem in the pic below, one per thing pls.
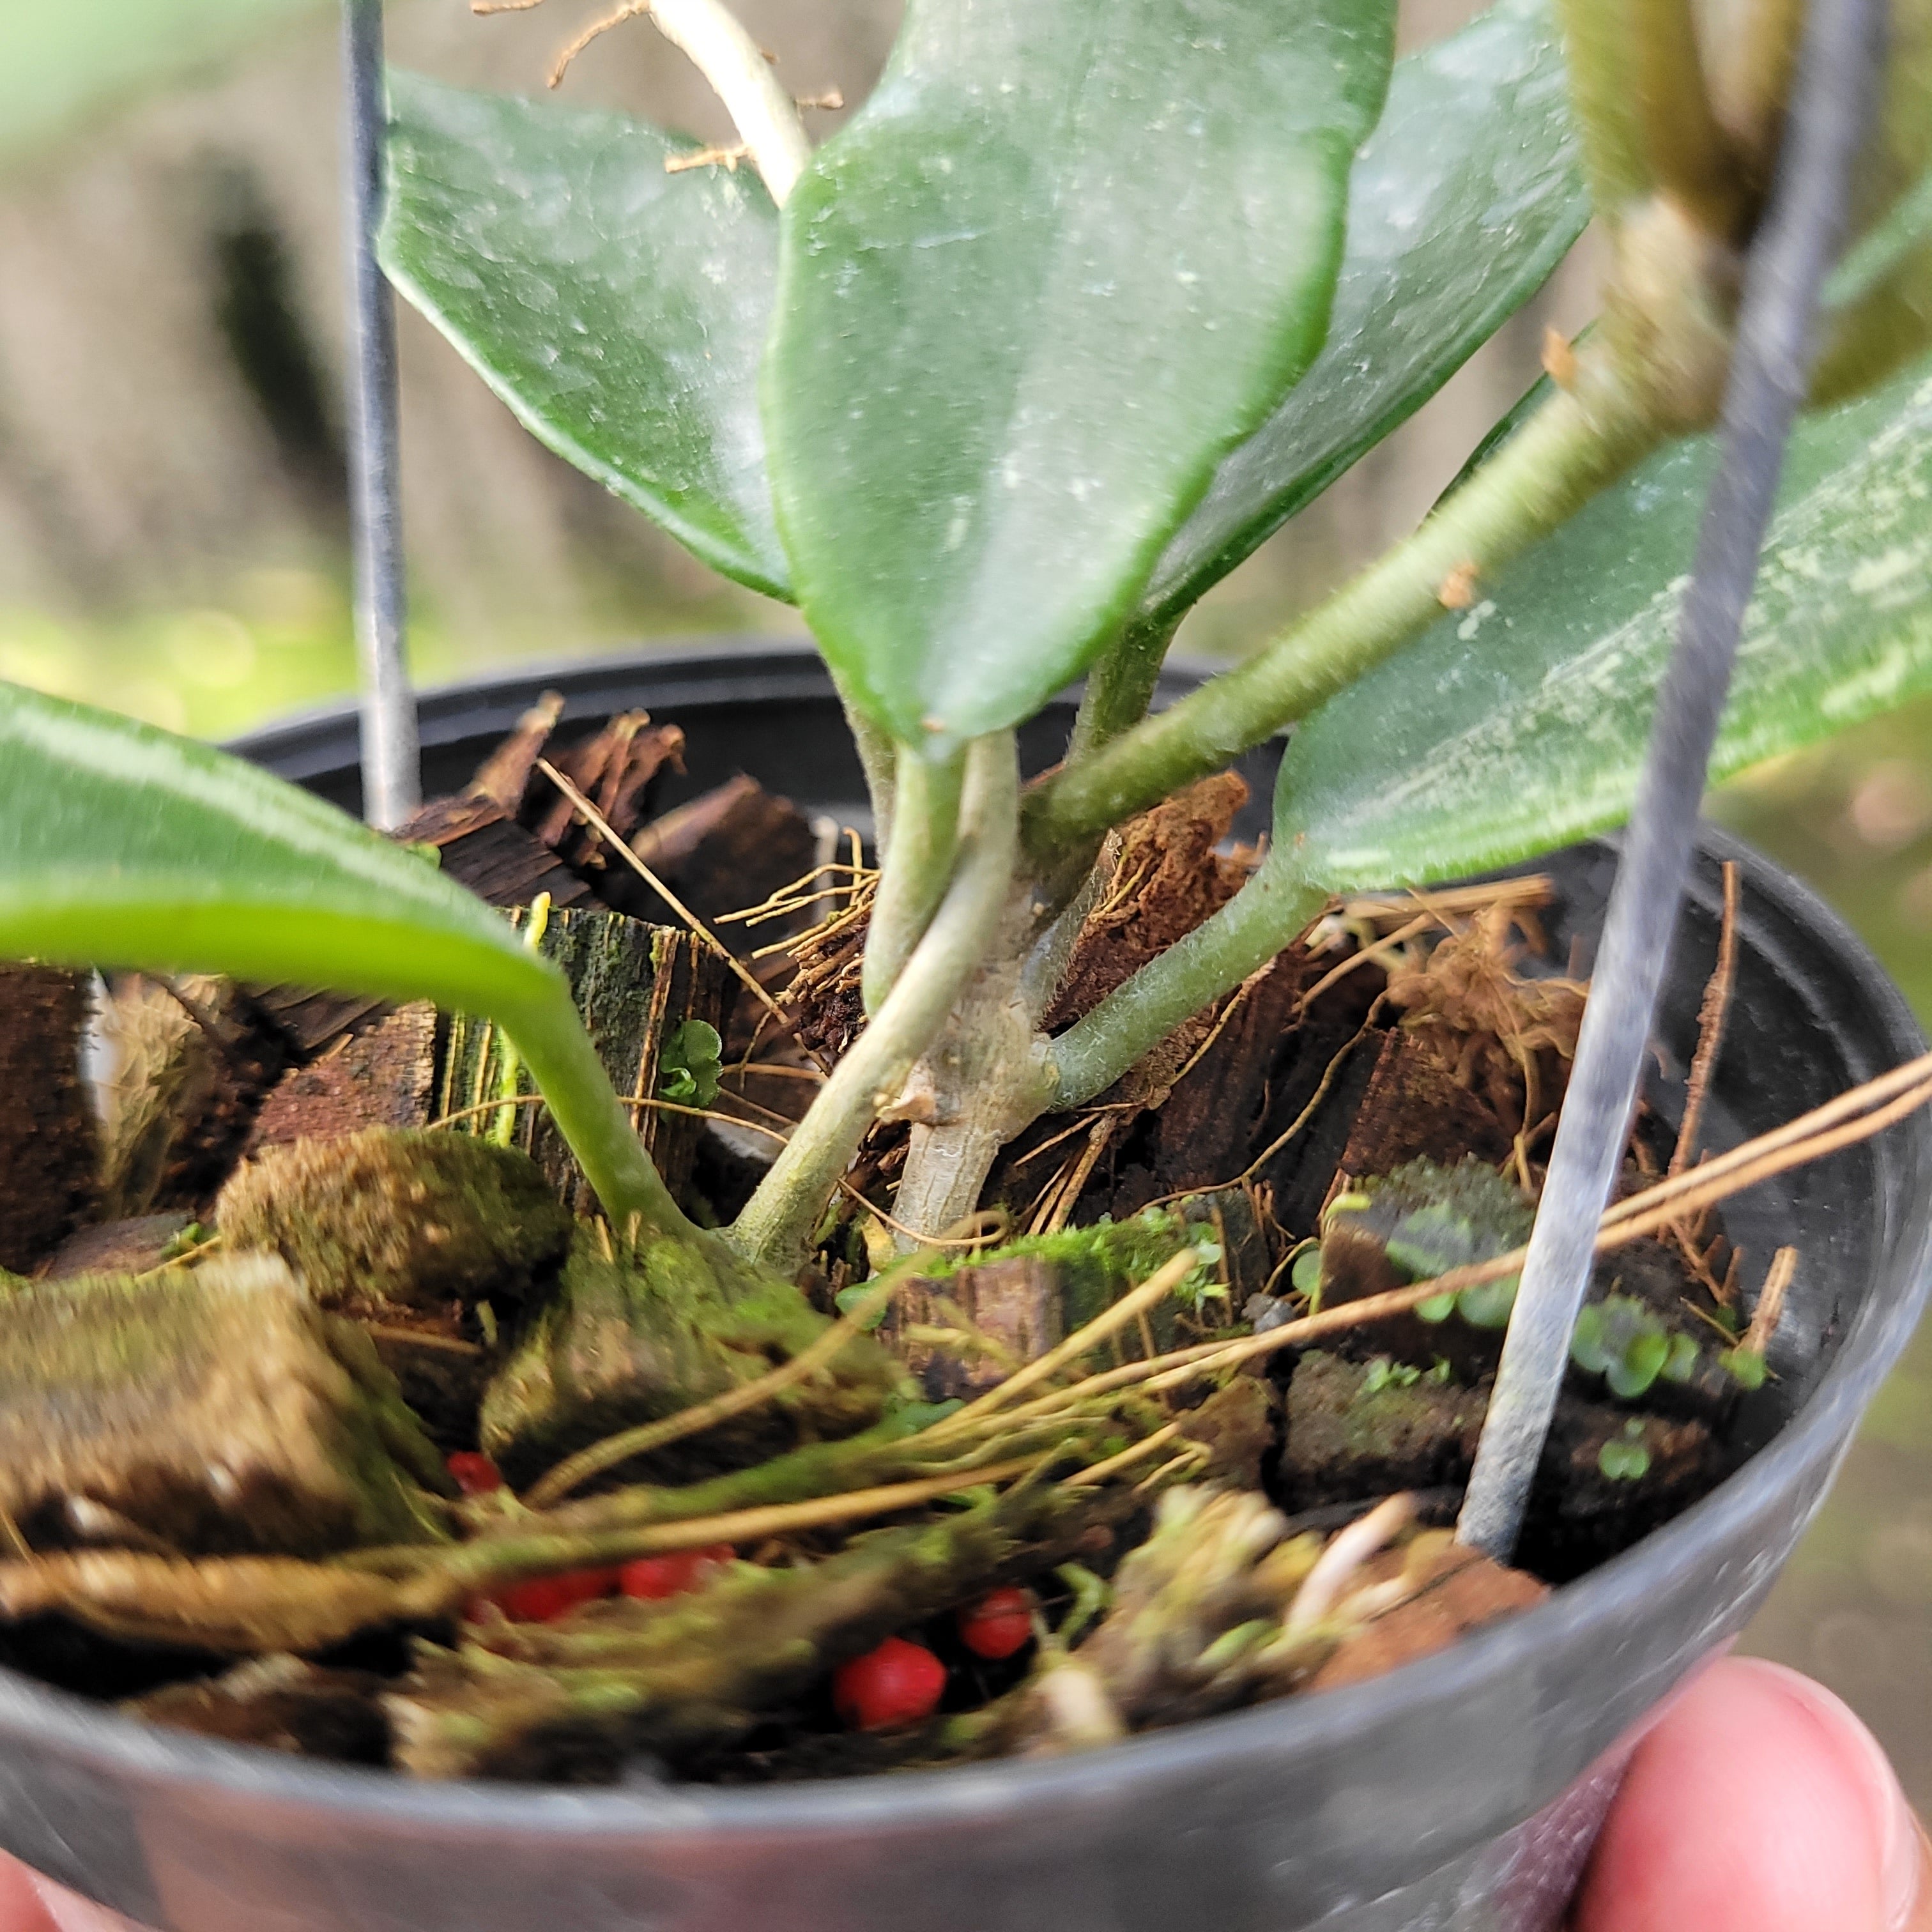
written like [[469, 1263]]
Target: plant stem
[[1264, 915], [1580, 440], [1120, 688], [778, 1218], [765, 115], [917, 866], [1596, 51], [584, 1104], [878, 758]]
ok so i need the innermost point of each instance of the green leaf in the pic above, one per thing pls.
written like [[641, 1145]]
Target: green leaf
[[1682, 1364], [1488, 1304], [1590, 1347], [1745, 1366], [1643, 1361], [1466, 198], [121, 845], [690, 1063], [619, 311], [1066, 256], [1520, 725], [1623, 1462]]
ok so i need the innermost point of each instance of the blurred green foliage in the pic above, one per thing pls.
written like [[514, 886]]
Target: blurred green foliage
[[61, 59], [278, 640]]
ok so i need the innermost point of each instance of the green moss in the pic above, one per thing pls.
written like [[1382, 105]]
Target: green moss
[[1097, 1264], [635, 1332], [416, 1218]]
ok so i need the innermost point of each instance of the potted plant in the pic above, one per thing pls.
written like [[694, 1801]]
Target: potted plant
[[1083, 303]]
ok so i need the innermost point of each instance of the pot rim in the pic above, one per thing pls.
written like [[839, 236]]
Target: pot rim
[[1608, 1599]]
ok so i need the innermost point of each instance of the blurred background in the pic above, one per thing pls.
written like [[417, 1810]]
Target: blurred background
[[173, 520]]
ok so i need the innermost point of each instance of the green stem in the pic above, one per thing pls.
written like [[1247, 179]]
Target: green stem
[[584, 1104], [878, 757], [1580, 441], [778, 1218], [1264, 916], [918, 865], [1596, 49], [1120, 687]]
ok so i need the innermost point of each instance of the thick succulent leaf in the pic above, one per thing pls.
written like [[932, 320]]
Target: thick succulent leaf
[[619, 310], [1466, 198], [1520, 725], [121, 845], [1067, 255]]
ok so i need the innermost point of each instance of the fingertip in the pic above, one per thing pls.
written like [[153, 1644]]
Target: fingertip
[[1759, 1803], [30, 1903]]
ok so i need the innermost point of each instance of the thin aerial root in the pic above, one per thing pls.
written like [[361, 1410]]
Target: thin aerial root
[[1770, 1310], [727, 158], [1339, 1564], [1711, 1014], [631, 9]]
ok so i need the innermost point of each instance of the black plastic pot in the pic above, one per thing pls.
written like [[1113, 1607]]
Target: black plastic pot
[[1459, 1795]]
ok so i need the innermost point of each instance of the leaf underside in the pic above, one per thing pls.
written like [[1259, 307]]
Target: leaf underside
[[1520, 725], [1066, 256], [1466, 197], [121, 845], [619, 310]]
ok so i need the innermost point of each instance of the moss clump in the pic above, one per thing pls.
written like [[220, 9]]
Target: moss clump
[[636, 1332], [218, 1410], [387, 1219], [1095, 1265]]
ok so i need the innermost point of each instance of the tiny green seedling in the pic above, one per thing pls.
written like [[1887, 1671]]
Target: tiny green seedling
[[691, 1064], [1625, 1459], [1081, 304]]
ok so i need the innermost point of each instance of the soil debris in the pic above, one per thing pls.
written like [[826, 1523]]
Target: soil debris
[[283, 1703], [1167, 878], [732, 848], [1366, 1429], [1454, 1593], [189, 1062], [432, 1241], [119, 1247], [636, 986], [571, 1700]]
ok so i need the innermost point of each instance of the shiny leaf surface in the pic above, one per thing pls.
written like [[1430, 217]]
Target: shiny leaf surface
[[619, 311], [1520, 725], [121, 845], [1466, 198], [1067, 255]]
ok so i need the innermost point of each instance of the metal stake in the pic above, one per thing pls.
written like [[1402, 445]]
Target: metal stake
[[391, 776], [1770, 366]]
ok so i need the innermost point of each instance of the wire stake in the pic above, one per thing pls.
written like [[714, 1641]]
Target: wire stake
[[391, 773], [1789, 259]]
